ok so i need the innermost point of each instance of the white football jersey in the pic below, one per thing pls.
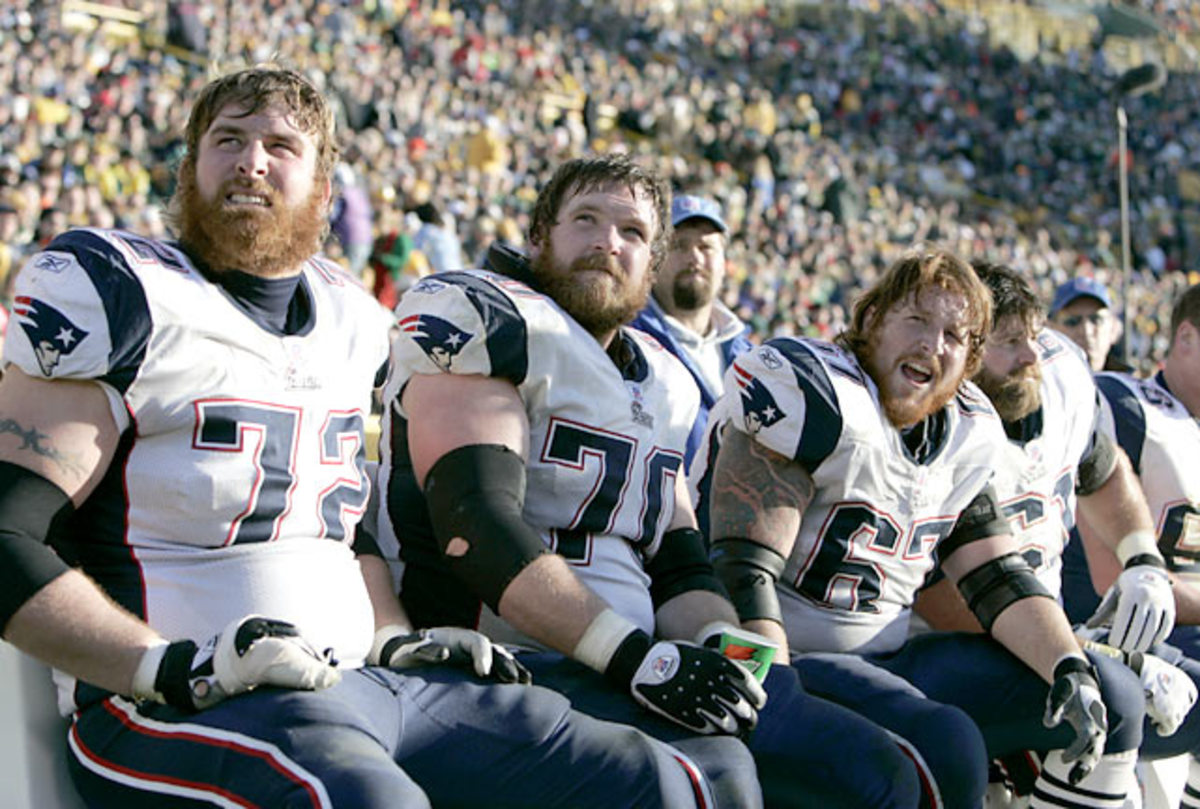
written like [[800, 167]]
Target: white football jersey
[[1037, 486], [1162, 441], [868, 539], [606, 445], [239, 477]]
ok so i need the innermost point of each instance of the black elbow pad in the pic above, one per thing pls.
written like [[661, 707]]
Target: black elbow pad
[[997, 584], [476, 495], [749, 571], [680, 566], [31, 510]]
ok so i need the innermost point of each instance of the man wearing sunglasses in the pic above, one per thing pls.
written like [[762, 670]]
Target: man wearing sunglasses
[[1082, 310]]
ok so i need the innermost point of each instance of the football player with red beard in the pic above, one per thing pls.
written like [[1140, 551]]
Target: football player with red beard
[[185, 426], [875, 465]]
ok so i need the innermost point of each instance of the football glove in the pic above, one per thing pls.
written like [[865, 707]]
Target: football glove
[[1170, 693], [1139, 605], [397, 647], [249, 652], [1075, 698], [698, 688]]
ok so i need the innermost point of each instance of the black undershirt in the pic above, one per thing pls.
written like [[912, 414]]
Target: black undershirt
[[280, 305]]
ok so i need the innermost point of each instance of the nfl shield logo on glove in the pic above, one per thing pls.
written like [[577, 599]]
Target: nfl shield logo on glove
[[664, 666]]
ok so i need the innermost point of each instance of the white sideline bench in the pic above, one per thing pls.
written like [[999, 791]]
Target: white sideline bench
[[33, 737]]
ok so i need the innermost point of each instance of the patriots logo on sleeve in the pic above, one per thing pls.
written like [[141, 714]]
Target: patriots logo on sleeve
[[758, 405], [51, 333], [440, 339]]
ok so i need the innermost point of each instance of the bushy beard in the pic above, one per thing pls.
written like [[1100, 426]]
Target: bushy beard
[[692, 290], [1014, 396], [905, 412], [268, 242], [599, 307]]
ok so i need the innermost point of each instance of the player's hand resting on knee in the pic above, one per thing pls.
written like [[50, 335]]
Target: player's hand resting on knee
[[696, 687], [1170, 694], [249, 652], [398, 647], [1075, 698]]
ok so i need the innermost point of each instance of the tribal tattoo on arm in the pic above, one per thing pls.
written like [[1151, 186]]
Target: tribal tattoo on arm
[[35, 441], [757, 493]]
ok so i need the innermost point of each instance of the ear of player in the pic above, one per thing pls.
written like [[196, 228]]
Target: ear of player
[[1140, 605], [249, 652], [1075, 698], [400, 648]]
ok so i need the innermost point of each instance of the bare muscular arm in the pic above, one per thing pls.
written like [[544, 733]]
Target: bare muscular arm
[[65, 432], [760, 495]]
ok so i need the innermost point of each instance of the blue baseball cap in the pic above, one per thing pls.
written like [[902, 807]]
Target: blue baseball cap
[[688, 207], [1081, 287]]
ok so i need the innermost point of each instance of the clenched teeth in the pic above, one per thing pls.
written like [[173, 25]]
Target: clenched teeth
[[248, 199]]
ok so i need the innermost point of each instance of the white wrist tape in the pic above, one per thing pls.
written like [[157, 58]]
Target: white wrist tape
[[147, 673], [1137, 542], [601, 640]]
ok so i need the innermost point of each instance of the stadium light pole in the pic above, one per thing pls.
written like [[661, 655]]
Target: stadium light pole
[[1133, 82]]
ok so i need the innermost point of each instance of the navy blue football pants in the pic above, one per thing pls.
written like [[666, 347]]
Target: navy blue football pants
[[1005, 697], [944, 743], [807, 752], [376, 739]]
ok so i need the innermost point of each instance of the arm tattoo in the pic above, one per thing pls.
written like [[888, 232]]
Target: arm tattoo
[[757, 494], [35, 441]]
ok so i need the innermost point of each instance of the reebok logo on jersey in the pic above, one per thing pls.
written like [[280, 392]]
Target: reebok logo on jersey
[[51, 333], [48, 262], [758, 405], [440, 339]]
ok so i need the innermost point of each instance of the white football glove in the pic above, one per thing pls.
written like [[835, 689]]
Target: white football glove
[[249, 652], [1170, 693], [1075, 698], [1140, 606], [397, 647]]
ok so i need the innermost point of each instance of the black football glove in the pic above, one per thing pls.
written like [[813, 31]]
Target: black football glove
[[695, 687]]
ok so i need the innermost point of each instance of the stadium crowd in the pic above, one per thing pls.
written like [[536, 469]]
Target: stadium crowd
[[832, 140]]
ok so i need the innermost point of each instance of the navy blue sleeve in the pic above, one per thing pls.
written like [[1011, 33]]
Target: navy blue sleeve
[[124, 299], [507, 335], [1128, 416], [822, 417]]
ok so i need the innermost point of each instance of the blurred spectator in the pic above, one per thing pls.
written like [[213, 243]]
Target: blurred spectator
[[12, 251], [436, 241], [351, 218], [391, 256]]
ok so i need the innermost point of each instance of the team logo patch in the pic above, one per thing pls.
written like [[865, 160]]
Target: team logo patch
[[637, 407], [440, 339], [758, 405], [427, 286], [664, 666], [52, 334], [48, 262], [770, 358]]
